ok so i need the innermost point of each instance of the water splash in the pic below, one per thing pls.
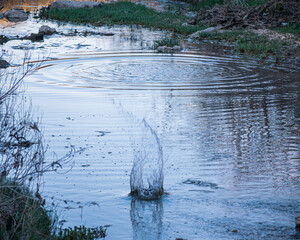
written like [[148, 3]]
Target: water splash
[[146, 178]]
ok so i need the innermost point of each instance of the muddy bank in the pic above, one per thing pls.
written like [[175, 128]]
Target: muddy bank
[[233, 28]]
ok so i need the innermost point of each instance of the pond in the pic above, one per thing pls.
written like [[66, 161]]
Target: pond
[[228, 128]]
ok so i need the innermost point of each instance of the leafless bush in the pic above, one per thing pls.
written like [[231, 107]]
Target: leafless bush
[[22, 159]]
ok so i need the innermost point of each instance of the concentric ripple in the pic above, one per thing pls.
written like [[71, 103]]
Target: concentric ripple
[[228, 130], [150, 71]]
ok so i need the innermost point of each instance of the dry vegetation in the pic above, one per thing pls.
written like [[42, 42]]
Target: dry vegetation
[[22, 161]]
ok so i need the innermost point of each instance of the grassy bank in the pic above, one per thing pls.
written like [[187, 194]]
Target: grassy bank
[[251, 43], [22, 215], [290, 28], [242, 41], [124, 13]]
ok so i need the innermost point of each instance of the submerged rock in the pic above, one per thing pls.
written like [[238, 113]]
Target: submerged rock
[[201, 183], [73, 4], [297, 221], [4, 64], [16, 15], [46, 30]]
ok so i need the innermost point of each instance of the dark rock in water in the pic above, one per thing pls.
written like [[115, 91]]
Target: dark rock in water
[[35, 37], [3, 39], [46, 30], [1, 15], [16, 15], [201, 183], [4, 64], [147, 194], [74, 4], [297, 221]]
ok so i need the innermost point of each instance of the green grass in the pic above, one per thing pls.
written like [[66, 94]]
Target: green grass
[[81, 233], [291, 28], [251, 43], [123, 13], [204, 4], [166, 41], [255, 3], [22, 216]]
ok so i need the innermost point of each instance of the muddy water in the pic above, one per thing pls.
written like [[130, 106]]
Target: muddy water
[[228, 127]]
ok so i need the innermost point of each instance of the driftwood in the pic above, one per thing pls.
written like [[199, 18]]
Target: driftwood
[[271, 14]]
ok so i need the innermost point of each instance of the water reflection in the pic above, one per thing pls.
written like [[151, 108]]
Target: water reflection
[[146, 219]]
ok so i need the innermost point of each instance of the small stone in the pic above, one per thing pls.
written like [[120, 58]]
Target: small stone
[[46, 30], [4, 64], [297, 221], [16, 15], [185, 24]]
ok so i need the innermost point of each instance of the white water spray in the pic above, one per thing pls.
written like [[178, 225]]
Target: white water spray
[[146, 178]]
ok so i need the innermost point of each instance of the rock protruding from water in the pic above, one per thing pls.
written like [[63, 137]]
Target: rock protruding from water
[[74, 5], [4, 64], [297, 221], [3, 39], [35, 37], [207, 30], [46, 30], [16, 15]]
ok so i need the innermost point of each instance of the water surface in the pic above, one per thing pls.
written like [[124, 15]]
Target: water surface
[[228, 127]]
